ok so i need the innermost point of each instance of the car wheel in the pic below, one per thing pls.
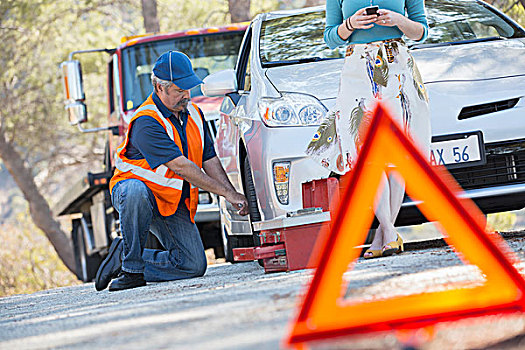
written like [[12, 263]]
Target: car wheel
[[251, 197], [86, 266]]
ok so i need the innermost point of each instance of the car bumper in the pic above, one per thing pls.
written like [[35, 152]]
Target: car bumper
[[489, 200]]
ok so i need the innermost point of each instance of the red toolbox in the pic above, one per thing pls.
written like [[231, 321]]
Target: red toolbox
[[322, 193], [287, 242]]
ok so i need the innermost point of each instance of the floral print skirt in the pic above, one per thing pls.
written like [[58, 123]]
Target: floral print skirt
[[380, 71]]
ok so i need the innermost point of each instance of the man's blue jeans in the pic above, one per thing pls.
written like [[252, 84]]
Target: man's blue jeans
[[184, 256]]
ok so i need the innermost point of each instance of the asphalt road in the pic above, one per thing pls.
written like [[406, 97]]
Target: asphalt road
[[240, 307]]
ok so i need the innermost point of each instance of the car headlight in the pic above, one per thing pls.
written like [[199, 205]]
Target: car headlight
[[291, 109]]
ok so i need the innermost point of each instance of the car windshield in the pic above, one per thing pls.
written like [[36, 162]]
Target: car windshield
[[450, 21], [209, 53]]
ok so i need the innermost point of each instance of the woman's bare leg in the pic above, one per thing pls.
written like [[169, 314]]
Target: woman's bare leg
[[387, 205], [383, 214], [397, 193]]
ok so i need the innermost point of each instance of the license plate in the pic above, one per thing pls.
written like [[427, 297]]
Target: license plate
[[458, 150]]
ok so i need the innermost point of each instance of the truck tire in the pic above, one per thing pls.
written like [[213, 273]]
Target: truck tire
[[227, 246], [86, 266], [232, 242], [211, 237], [107, 158]]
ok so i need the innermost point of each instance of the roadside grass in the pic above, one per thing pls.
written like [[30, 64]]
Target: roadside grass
[[28, 262]]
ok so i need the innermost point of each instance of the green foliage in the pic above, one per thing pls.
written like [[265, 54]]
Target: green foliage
[[180, 14], [512, 8], [27, 262], [37, 35], [517, 13]]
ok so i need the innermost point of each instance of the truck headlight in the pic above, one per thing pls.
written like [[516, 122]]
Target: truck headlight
[[292, 109]]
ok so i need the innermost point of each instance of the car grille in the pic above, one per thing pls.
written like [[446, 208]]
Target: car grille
[[486, 108], [505, 165]]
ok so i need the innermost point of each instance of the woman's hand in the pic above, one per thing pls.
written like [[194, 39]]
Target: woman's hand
[[360, 20], [413, 30], [389, 18]]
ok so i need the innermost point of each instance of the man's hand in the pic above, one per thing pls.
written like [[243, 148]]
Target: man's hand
[[239, 202], [214, 180]]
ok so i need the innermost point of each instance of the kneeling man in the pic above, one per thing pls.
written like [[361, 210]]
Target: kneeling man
[[156, 183]]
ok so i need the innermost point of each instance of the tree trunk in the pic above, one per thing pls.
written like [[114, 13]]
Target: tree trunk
[[239, 10], [149, 13], [38, 206]]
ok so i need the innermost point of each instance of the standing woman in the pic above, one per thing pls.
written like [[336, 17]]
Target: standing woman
[[377, 67]]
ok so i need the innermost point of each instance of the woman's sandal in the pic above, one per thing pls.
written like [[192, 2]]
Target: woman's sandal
[[373, 253], [393, 247]]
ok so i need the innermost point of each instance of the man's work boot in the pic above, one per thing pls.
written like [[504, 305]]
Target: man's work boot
[[127, 280], [111, 265]]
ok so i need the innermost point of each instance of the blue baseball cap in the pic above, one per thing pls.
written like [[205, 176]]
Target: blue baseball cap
[[176, 67]]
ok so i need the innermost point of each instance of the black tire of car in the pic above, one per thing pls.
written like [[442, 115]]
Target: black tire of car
[[86, 266], [251, 197]]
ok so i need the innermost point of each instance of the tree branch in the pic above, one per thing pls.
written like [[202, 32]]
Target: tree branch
[[511, 6]]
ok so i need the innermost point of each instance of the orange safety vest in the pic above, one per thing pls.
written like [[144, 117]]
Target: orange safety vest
[[164, 183]]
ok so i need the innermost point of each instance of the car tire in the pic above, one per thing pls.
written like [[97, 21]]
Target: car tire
[[251, 197], [86, 266]]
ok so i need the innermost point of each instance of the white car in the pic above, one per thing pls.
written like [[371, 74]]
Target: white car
[[286, 79]]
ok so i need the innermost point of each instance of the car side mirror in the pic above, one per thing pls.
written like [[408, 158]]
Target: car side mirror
[[220, 83], [74, 91]]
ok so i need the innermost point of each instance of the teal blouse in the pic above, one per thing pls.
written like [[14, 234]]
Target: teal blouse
[[337, 10]]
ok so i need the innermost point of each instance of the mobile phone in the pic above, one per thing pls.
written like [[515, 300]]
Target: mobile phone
[[372, 10]]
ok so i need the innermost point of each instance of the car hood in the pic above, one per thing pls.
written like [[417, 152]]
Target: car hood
[[466, 62]]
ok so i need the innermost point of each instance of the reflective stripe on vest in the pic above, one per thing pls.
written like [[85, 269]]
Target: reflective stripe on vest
[[196, 117], [158, 176], [152, 176]]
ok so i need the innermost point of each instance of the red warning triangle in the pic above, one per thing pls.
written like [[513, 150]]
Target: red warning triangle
[[325, 313]]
